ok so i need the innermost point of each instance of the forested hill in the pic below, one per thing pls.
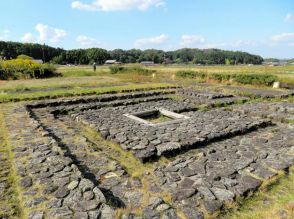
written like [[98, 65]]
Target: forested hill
[[87, 56], [37, 51]]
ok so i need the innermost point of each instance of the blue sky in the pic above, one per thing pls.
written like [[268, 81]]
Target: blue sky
[[264, 27]]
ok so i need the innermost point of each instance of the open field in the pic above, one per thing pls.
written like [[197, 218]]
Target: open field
[[81, 80], [147, 144]]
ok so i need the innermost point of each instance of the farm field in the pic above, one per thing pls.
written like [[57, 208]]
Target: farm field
[[81, 80], [69, 150]]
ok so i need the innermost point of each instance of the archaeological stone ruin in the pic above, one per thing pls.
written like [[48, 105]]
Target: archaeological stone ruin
[[163, 153]]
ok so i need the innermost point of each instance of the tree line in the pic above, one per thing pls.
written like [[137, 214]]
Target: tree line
[[11, 50]]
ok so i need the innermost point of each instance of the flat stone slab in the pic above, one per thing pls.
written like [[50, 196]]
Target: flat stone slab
[[147, 141]]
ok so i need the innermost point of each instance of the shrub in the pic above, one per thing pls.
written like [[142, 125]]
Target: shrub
[[221, 76], [47, 71], [24, 57], [25, 68], [256, 79], [217, 77], [191, 74], [115, 69]]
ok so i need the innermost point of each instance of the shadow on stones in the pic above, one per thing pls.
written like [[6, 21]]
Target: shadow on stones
[[111, 199], [186, 148]]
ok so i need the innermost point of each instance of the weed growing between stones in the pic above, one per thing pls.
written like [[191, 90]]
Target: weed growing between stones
[[131, 164], [273, 200], [10, 203]]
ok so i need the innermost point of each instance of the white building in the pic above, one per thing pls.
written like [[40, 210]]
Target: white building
[[111, 62]]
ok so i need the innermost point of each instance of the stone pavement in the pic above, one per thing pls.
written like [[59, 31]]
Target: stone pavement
[[83, 158]]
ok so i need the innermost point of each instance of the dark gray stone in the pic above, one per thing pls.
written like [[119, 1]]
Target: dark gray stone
[[208, 195], [26, 182], [60, 213], [80, 215], [183, 194], [192, 213], [36, 215], [61, 192], [211, 206], [149, 213]]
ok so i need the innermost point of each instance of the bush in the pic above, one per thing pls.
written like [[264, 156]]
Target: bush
[[115, 69], [256, 79], [47, 71], [221, 76], [191, 74], [24, 57], [24, 69]]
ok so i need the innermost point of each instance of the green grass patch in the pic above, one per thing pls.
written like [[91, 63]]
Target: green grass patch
[[256, 79], [81, 73], [275, 201], [191, 74], [252, 79], [51, 94], [115, 69]]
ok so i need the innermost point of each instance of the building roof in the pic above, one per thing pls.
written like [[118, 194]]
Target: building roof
[[40, 61], [147, 63], [110, 61]]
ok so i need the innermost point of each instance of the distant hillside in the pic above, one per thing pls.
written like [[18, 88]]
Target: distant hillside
[[271, 60], [279, 60], [86, 56]]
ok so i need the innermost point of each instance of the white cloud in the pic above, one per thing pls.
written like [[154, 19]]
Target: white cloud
[[50, 34], [160, 4], [117, 5], [283, 37], [87, 42], [190, 40], [28, 38], [46, 34], [289, 18], [4, 34], [152, 41], [81, 6]]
